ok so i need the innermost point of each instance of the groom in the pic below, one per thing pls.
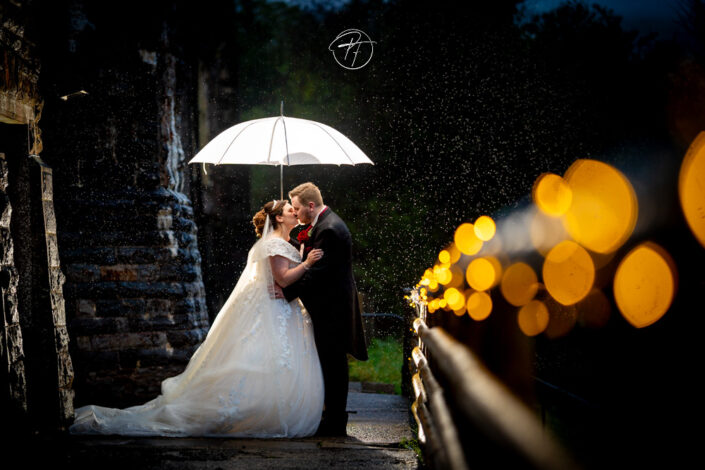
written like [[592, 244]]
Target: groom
[[328, 292]]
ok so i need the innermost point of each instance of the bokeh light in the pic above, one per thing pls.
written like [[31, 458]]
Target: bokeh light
[[552, 194], [444, 256], [533, 318], [481, 274], [455, 298], [466, 240], [604, 209], [479, 305], [568, 272], [644, 284], [457, 277], [546, 232], [519, 284], [691, 187], [454, 253], [484, 228]]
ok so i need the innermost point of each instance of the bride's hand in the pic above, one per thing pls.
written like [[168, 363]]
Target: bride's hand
[[313, 256]]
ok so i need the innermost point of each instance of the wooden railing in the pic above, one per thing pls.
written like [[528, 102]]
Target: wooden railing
[[466, 417]]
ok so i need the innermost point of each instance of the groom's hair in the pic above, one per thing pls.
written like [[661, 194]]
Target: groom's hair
[[307, 192]]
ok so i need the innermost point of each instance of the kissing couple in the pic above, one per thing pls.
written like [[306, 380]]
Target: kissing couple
[[274, 362]]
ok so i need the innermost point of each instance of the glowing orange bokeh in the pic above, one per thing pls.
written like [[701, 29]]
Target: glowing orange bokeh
[[484, 228], [552, 194], [481, 274], [479, 305], [455, 298], [691, 187], [604, 208], [444, 256], [519, 284], [568, 272], [465, 239], [533, 318], [644, 284]]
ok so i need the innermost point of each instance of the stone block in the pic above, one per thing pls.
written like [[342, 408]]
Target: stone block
[[120, 307], [87, 255], [152, 357], [84, 343], [6, 212], [136, 255], [47, 186], [49, 218], [58, 307], [85, 308], [115, 342], [66, 410], [159, 306], [120, 272], [65, 370], [193, 289], [56, 278], [96, 326], [185, 338], [52, 250], [15, 344], [98, 360], [184, 272], [82, 272]]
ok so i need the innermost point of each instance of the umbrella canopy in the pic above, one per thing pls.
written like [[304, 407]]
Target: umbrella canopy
[[281, 141]]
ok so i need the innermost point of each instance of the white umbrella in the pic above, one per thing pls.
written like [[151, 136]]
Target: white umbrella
[[281, 141]]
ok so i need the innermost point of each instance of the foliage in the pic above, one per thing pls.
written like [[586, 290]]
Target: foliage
[[413, 444], [458, 124], [383, 366]]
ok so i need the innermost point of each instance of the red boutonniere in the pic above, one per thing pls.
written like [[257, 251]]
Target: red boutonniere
[[304, 235]]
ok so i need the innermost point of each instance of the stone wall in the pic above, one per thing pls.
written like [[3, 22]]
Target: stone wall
[[135, 298], [135, 293], [37, 374], [12, 375]]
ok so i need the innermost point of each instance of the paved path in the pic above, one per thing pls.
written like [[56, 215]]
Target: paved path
[[375, 430]]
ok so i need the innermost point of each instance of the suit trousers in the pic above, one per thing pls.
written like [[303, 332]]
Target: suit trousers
[[334, 364]]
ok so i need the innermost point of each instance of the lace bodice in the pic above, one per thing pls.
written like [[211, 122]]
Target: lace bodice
[[275, 246]]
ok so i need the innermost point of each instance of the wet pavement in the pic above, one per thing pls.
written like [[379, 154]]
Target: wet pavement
[[377, 427]]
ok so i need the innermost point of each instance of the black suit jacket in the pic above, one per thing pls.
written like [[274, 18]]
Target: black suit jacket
[[328, 289]]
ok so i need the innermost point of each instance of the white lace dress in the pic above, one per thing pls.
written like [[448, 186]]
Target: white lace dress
[[256, 374]]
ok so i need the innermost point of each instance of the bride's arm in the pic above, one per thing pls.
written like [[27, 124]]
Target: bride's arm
[[284, 276]]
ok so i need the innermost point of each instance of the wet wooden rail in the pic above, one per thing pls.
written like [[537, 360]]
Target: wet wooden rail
[[466, 417]]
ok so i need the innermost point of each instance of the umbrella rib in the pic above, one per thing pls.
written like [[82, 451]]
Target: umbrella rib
[[233, 141], [334, 140], [271, 139]]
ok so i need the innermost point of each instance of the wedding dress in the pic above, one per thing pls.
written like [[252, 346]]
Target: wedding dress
[[256, 374]]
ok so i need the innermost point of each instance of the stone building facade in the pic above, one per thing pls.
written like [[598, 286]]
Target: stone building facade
[[37, 372], [106, 98]]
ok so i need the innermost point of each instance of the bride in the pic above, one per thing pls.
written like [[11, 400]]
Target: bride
[[256, 374]]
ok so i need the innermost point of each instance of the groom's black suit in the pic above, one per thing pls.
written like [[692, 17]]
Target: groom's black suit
[[329, 293]]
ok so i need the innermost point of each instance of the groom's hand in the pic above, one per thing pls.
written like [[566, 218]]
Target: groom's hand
[[276, 292]]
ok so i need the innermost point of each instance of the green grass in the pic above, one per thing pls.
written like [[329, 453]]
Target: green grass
[[383, 366]]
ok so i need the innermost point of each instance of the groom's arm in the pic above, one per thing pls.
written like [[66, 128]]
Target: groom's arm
[[326, 241]]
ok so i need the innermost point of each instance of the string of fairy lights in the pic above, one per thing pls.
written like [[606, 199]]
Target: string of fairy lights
[[577, 223]]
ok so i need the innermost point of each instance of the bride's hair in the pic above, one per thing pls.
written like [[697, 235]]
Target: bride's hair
[[272, 209]]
